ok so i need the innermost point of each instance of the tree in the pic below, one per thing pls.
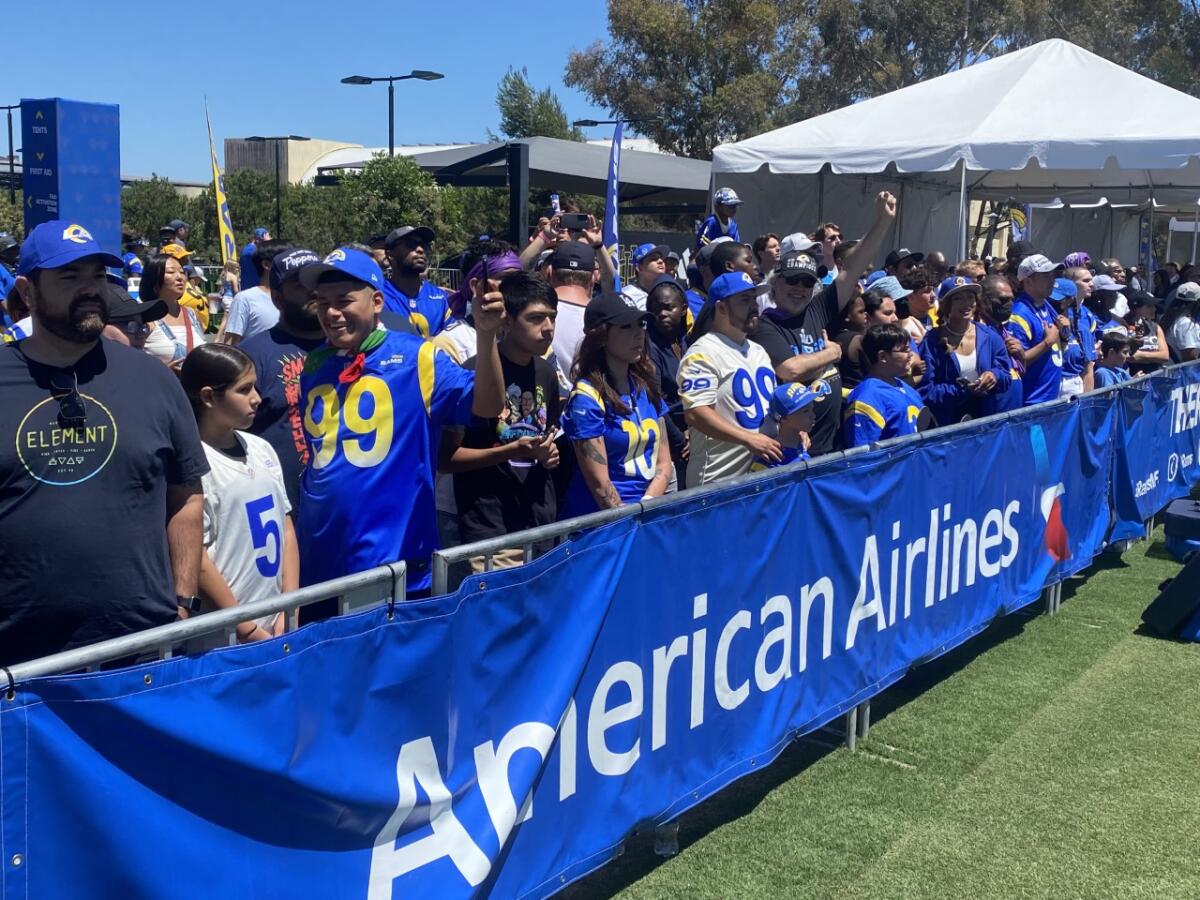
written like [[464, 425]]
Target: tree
[[525, 112], [724, 70], [146, 206]]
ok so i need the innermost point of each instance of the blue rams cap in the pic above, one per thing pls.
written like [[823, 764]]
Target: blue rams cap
[[874, 277], [260, 232], [56, 243], [644, 250], [793, 396], [728, 196], [1064, 289], [348, 261], [889, 285], [957, 284], [725, 286]]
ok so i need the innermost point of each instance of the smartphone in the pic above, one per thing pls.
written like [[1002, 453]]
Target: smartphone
[[573, 221]]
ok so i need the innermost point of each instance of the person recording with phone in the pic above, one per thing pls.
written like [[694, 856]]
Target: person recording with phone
[[569, 224]]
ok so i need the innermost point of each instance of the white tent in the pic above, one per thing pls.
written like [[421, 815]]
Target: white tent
[[1051, 122]]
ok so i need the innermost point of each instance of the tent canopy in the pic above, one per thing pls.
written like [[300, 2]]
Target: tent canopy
[[1025, 123], [1028, 126]]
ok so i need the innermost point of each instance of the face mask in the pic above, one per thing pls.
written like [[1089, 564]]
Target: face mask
[[1121, 307]]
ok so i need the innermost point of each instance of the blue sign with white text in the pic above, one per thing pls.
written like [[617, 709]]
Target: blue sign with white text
[[71, 154], [504, 739]]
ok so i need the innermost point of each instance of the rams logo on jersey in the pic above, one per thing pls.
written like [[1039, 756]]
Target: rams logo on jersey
[[77, 234]]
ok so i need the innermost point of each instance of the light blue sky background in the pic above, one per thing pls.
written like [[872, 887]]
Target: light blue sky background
[[274, 68]]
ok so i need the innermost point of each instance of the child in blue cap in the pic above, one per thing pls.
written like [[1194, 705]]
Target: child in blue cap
[[792, 409]]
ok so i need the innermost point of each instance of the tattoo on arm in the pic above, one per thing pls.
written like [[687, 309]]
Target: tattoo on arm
[[611, 498], [594, 450]]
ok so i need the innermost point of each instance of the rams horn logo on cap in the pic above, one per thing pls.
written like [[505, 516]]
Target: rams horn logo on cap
[[335, 256], [77, 234], [959, 281]]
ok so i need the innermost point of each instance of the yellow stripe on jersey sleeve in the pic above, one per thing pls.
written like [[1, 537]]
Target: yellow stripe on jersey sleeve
[[1024, 326], [425, 373], [858, 407], [582, 387]]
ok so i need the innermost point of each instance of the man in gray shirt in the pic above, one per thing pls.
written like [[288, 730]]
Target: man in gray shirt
[[252, 311]]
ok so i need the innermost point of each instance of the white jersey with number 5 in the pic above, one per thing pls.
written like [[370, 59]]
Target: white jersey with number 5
[[737, 380], [244, 504]]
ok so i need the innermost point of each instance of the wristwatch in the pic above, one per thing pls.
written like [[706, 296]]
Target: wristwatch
[[191, 604]]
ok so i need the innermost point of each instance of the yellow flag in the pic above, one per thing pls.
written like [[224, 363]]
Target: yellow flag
[[225, 226]]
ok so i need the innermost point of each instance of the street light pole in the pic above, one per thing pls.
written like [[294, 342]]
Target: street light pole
[[12, 177], [419, 74], [258, 139], [391, 118]]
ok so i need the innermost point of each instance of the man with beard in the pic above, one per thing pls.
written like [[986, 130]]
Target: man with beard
[[725, 385], [98, 449], [800, 333], [406, 291], [278, 355]]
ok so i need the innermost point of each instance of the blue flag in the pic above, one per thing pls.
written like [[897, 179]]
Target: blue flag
[[610, 204]]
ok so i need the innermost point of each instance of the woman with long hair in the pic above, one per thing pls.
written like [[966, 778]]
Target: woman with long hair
[[249, 542], [965, 365], [615, 416], [177, 333], [1179, 324]]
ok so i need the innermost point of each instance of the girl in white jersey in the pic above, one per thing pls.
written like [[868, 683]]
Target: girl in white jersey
[[250, 545]]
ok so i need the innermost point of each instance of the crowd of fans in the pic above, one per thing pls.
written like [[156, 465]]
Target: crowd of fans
[[350, 412]]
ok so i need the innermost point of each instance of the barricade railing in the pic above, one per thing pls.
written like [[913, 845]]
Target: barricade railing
[[362, 590], [356, 590]]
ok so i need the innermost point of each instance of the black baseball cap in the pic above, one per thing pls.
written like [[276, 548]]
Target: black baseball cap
[[903, 253], [7, 242], [121, 306], [1018, 250], [422, 234], [799, 263], [610, 309], [573, 255], [287, 265]]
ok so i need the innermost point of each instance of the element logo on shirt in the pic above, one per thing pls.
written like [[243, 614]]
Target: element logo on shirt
[[62, 456]]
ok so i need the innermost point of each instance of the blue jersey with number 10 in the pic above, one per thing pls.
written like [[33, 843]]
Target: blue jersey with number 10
[[367, 494], [631, 443]]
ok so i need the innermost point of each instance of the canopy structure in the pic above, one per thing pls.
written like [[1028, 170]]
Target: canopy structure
[[650, 182], [1050, 122]]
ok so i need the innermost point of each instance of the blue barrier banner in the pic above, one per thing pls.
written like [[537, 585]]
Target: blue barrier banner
[[71, 153], [504, 739], [1155, 459]]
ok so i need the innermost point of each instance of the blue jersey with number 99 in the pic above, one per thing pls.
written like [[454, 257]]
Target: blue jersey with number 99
[[367, 494], [630, 441]]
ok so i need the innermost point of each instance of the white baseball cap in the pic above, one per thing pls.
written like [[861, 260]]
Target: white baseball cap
[[798, 241], [1037, 264]]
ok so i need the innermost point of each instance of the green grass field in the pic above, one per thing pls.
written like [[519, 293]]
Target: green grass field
[[1054, 757]]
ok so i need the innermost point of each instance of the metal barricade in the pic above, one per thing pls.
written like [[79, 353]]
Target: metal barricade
[[356, 592]]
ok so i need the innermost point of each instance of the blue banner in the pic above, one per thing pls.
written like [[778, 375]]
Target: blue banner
[[612, 199], [71, 158], [1156, 459], [503, 740]]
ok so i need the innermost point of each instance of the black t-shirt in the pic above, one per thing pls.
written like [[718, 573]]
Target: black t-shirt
[[520, 493], [278, 359], [784, 336], [83, 541]]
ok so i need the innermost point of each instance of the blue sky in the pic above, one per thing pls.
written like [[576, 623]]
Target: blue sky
[[274, 68]]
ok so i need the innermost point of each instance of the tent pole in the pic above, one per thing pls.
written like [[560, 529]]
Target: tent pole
[[962, 212], [1195, 222]]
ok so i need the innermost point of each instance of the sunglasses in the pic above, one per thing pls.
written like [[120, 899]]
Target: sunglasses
[[135, 328], [806, 280], [72, 412]]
